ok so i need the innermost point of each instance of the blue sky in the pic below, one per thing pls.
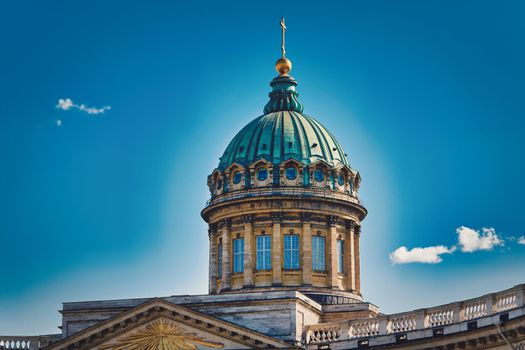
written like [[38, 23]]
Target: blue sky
[[426, 97]]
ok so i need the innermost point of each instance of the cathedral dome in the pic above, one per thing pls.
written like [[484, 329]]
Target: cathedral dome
[[283, 148], [282, 135]]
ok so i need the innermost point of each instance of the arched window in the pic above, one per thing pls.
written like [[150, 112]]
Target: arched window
[[291, 252], [318, 175], [262, 174], [340, 256], [318, 253], [238, 255], [264, 253], [291, 173], [237, 177]]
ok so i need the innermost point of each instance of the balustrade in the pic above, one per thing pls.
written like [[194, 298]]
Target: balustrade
[[439, 316]]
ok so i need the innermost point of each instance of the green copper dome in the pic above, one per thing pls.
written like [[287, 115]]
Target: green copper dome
[[283, 133]]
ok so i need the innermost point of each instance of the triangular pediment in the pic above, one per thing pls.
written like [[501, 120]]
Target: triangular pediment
[[160, 325]]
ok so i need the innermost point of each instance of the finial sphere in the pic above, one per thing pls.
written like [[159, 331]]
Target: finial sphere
[[283, 66]]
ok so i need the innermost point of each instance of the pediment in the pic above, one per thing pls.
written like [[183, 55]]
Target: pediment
[[160, 325]]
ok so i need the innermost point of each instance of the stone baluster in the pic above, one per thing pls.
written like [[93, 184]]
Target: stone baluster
[[332, 222], [213, 260], [226, 254], [277, 251], [248, 250], [307, 249], [456, 313], [383, 324]]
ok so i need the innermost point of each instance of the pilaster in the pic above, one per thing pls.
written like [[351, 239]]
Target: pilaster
[[212, 285], [357, 234], [350, 255], [307, 249], [277, 249], [248, 250], [332, 223], [226, 254]]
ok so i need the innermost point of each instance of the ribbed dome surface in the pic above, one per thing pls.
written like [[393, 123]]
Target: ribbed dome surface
[[280, 136]]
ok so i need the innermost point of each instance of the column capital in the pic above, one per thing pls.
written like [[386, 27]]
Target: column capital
[[212, 229], [226, 223], [247, 219], [349, 224], [357, 230], [277, 217], [332, 220]]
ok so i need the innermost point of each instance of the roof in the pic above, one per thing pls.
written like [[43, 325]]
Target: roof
[[283, 135]]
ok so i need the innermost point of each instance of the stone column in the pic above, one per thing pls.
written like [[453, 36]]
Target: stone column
[[350, 256], [226, 255], [212, 285], [277, 251], [248, 250], [332, 259], [357, 234], [307, 249]]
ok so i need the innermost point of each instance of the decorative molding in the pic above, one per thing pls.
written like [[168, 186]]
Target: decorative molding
[[161, 334], [247, 219], [306, 217], [332, 220], [349, 224]]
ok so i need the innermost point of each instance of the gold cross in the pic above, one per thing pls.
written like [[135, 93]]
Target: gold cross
[[283, 29]]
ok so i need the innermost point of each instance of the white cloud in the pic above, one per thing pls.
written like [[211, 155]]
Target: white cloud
[[521, 240], [471, 240], [66, 104], [58, 123], [427, 255]]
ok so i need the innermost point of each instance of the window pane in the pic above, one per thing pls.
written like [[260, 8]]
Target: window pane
[[318, 175], [318, 253], [291, 173], [238, 255], [340, 256], [262, 174], [263, 261], [237, 177], [291, 252]]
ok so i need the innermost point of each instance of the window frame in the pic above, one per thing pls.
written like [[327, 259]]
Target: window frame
[[318, 254], [264, 252], [340, 180], [340, 250], [258, 170], [318, 171], [291, 252], [234, 177], [238, 255], [291, 167]]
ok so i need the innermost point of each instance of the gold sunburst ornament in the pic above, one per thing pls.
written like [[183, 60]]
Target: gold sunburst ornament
[[161, 335]]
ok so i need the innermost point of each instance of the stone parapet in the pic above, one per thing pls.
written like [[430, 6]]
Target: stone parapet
[[490, 310]]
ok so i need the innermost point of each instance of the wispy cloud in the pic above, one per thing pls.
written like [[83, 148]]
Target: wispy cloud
[[67, 104], [472, 240], [521, 240], [58, 123], [427, 255]]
